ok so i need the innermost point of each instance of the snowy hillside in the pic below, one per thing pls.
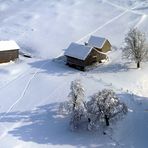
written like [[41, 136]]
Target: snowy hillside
[[45, 28], [31, 89]]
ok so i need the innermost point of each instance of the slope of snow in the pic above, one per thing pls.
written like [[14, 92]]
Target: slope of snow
[[46, 28], [31, 89]]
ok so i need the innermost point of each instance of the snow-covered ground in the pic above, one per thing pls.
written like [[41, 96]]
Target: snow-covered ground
[[31, 89]]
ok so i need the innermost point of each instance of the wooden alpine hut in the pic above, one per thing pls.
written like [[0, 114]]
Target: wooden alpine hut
[[81, 56]]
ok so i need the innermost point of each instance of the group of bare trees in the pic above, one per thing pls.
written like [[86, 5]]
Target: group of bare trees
[[136, 48], [102, 108]]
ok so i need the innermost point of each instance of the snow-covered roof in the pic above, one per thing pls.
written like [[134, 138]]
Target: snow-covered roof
[[95, 41], [8, 45], [78, 51]]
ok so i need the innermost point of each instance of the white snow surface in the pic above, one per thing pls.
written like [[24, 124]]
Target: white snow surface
[[95, 41], [78, 51], [8, 45], [31, 89]]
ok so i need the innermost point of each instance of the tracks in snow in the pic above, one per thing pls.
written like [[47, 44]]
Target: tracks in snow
[[125, 10], [102, 26], [11, 81], [18, 100], [25, 90]]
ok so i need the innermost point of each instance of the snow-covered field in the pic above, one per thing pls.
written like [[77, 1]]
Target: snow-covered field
[[31, 89]]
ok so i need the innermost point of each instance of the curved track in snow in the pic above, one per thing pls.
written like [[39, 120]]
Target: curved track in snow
[[102, 26], [125, 10], [24, 90]]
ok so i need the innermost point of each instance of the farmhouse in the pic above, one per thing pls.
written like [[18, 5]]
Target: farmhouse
[[9, 51], [101, 44], [80, 56]]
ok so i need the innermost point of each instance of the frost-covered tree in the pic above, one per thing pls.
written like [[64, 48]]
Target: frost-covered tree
[[135, 46], [77, 94], [76, 103], [100, 110], [103, 107], [76, 98]]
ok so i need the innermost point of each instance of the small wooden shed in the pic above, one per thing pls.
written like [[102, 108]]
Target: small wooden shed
[[79, 56], [9, 51], [101, 44]]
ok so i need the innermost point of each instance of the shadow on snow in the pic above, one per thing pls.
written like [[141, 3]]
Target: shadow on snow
[[133, 130], [59, 68], [111, 68], [44, 126], [53, 67]]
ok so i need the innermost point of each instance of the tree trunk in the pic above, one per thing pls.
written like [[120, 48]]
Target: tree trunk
[[138, 64], [107, 120], [74, 105], [89, 120]]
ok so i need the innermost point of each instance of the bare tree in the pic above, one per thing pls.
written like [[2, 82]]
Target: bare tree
[[135, 46], [105, 106]]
